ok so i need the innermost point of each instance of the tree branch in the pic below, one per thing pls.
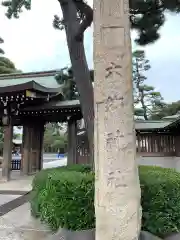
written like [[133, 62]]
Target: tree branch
[[149, 10], [87, 13], [70, 11], [63, 1], [1, 40]]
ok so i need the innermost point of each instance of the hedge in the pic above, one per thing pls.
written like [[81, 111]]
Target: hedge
[[64, 197], [40, 181], [160, 190]]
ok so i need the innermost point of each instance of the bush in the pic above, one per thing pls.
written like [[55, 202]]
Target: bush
[[68, 201], [63, 197], [160, 200], [40, 180]]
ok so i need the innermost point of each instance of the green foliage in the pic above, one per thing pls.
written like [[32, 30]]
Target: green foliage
[[16, 135], [41, 191], [146, 17], [66, 78], [15, 7], [160, 200], [6, 66], [54, 140], [68, 201], [1, 50], [166, 110], [144, 95], [5, 62], [63, 197]]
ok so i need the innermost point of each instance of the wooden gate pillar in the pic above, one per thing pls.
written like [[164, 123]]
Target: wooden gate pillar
[[32, 148], [40, 140], [177, 144], [72, 142], [7, 153], [25, 150]]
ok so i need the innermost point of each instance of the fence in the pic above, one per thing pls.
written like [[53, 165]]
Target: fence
[[149, 143], [15, 164]]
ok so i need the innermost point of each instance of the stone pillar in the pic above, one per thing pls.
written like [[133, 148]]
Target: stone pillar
[[72, 142], [7, 153], [117, 190]]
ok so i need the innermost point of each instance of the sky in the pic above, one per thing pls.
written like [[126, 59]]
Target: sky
[[34, 45]]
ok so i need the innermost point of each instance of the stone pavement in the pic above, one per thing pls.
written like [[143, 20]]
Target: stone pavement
[[5, 198], [17, 182], [16, 222], [19, 225]]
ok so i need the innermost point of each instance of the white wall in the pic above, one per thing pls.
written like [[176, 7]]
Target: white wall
[[166, 162]]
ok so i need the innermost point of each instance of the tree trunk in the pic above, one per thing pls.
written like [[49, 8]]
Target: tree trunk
[[80, 68], [141, 92], [117, 194], [143, 105]]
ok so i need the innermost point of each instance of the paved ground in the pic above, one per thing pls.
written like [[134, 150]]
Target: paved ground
[[55, 163], [4, 198], [17, 183], [17, 224], [23, 183]]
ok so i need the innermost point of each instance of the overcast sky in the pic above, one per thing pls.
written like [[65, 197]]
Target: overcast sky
[[33, 45]]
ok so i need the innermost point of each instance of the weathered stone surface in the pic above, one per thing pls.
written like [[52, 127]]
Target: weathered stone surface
[[117, 190], [21, 234], [19, 225], [73, 235], [174, 236], [148, 236]]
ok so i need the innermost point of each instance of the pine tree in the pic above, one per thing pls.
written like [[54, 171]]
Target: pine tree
[[145, 96]]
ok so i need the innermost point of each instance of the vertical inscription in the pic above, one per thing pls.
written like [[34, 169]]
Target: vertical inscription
[[113, 68]]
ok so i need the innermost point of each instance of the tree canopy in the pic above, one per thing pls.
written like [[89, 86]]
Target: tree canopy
[[146, 16], [6, 65], [53, 140], [168, 109], [66, 78]]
